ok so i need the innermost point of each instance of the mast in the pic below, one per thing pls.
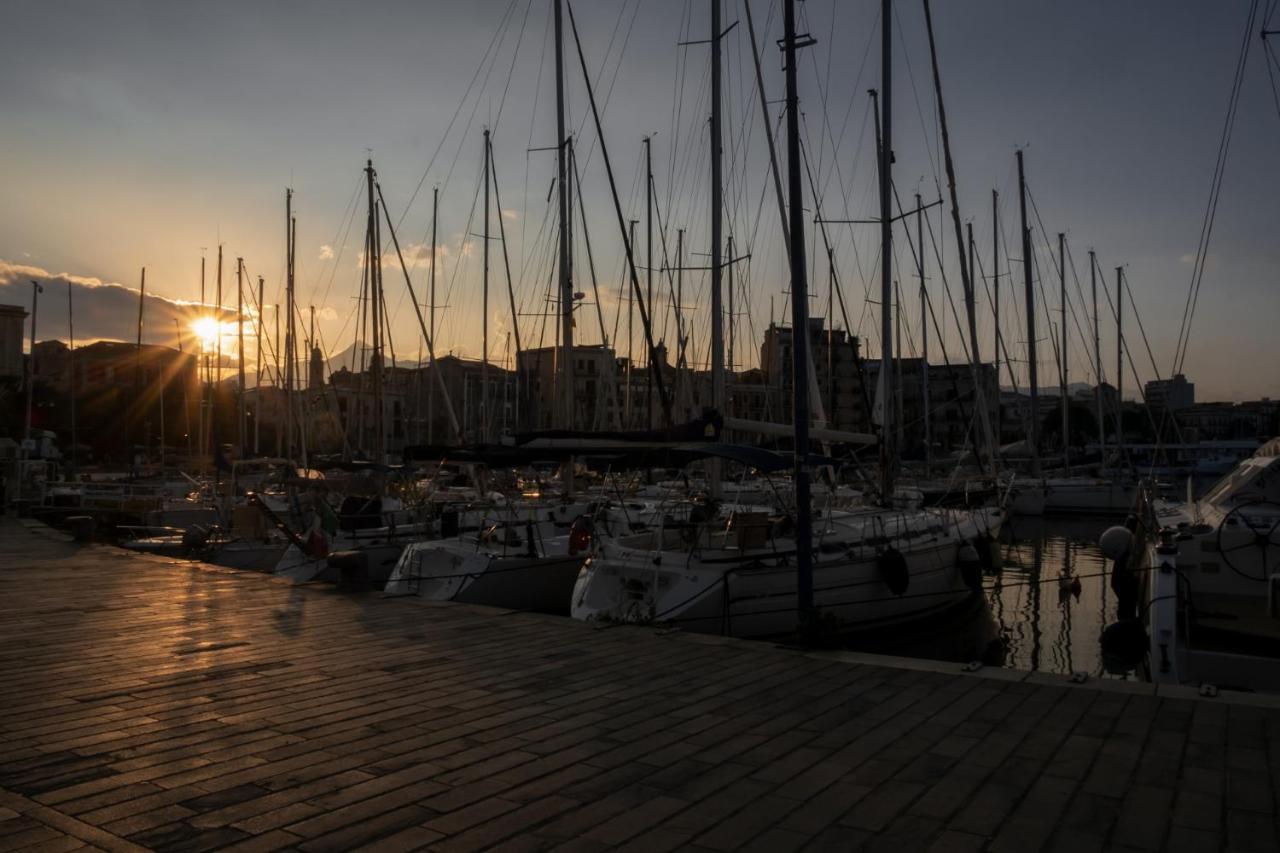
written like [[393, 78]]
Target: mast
[[31, 362], [431, 397], [648, 262], [279, 426], [484, 320], [966, 269], [995, 279], [566, 282], [202, 371], [511, 294], [924, 335], [631, 313], [1062, 372], [288, 322], [71, 370], [717, 240], [1119, 362], [138, 375], [1097, 358], [728, 362], [888, 451], [375, 311], [257, 378], [186, 394], [244, 427], [680, 333], [799, 308], [1033, 428]]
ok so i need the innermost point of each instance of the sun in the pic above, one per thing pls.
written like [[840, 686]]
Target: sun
[[206, 329]]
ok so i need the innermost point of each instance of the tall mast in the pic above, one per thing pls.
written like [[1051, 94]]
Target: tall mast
[[288, 322], [648, 262], [631, 313], [799, 311], [375, 316], [887, 450], [202, 371], [1119, 362], [995, 281], [728, 361], [680, 334], [1033, 428], [71, 371], [717, 240], [186, 394], [244, 427], [431, 397], [484, 320], [257, 378], [566, 282], [966, 269], [924, 334], [1097, 357], [1062, 372], [31, 361], [279, 426]]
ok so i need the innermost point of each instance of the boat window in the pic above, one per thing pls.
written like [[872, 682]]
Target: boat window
[[1251, 480]]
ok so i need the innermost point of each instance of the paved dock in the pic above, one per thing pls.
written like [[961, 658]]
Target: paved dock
[[150, 703]]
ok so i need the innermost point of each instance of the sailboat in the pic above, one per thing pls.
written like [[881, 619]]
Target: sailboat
[[758, 575]]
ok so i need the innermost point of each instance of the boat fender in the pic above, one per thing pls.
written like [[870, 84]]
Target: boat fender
[[893, 570], [1124, 644], [970, 566], [1114, 542], [579, 535]]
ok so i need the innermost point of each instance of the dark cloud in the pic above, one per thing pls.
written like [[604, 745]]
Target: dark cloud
[[103, 310]]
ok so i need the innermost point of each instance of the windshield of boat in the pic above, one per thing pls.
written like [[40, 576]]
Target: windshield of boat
[[1251, 480]]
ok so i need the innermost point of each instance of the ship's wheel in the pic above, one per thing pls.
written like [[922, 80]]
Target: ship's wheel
[[1264, 541]]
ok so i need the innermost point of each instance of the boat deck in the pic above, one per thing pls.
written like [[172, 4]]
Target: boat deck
[[153, 703]]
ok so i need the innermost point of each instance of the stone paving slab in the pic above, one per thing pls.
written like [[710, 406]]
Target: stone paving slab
[[160, 704]]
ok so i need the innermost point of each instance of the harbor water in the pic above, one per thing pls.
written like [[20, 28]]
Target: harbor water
[[1043, 609]]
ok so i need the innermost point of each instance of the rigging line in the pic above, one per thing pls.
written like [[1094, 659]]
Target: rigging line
[[511, 71], [340, 239], [1206, 228], [617, 68], [462, 252], [458, 110], [915, 95]]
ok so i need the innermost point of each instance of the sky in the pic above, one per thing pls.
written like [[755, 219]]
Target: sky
[[147, 134]]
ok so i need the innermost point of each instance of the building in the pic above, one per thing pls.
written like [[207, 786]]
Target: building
[[605, 391], [837, 369], [1170, 395], [952, 398], [125, 396], [12, 320]]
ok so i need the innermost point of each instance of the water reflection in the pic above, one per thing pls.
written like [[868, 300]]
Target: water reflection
[[1044, 609]]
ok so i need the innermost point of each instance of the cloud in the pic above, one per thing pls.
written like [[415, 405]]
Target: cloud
[[326, 253], [510, 214], [1187, 259], [103, 310]]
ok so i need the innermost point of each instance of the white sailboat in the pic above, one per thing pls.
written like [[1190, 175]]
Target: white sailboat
[[757, 576]]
